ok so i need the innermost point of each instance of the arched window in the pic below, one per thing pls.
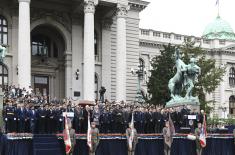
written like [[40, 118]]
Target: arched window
[[232, 105], [3, 30], [3, 76], [232, 76], [43, 46]]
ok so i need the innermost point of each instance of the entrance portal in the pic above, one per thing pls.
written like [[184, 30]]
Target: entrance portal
[[48, 62], [41, 85]]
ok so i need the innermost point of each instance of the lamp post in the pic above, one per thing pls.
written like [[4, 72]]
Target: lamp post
[[140, 72]]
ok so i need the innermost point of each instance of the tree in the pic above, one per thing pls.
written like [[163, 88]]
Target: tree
[[211, 75], [161, 72]]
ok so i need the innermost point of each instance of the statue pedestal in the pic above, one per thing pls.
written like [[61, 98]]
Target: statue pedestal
[[192, 103]]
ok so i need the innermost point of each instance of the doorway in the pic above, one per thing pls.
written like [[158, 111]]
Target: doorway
[[41, 85]]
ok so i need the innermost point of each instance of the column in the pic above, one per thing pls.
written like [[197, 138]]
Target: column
[[88, 55], [121, 53], [24, 51], [106, 56]]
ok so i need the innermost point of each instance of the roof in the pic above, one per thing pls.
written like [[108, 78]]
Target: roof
[[219, 29]]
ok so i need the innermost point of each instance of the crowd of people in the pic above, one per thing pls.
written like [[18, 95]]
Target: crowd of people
[[24, 112]]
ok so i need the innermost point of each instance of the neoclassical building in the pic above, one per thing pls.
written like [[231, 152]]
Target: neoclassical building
[[70, 48], [218, 39]]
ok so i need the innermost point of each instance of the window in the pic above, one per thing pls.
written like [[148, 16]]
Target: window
[[43, 46], [141, 67], [95, 44], [3, 30], [205, 41], [177, 37], [232, 105], [222, 42], [96, 86], [3, 76], [232, 76], [145, 32], [166, 35], [156, 34]]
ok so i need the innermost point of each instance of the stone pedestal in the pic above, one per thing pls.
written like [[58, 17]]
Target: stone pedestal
[[193, 104]]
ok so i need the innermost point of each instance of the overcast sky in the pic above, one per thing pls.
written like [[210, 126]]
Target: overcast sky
[[188, 17]]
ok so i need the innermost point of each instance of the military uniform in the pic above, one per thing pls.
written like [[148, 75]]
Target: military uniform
[[167, 140], [72, 135], [10, 119], [94, 140], [198, 145], [131, 151]]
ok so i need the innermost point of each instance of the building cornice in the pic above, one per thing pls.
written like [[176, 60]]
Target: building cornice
[[138, 5]]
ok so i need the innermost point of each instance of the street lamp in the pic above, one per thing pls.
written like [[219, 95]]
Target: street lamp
[[140, 72]]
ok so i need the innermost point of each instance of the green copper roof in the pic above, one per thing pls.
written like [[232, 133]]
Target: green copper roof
[[219, 29]]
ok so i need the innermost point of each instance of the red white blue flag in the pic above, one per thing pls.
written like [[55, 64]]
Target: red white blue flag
[[131, 138], [203, 134], [67, 140], [89, 132]]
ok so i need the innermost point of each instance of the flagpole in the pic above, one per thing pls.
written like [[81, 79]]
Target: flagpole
[[218, 5]]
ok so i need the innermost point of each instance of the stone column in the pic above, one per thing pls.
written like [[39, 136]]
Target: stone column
[[89, 56], [121, 53], [24, 47]]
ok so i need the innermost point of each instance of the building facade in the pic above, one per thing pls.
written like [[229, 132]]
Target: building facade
[[70, 48], [218, 39]]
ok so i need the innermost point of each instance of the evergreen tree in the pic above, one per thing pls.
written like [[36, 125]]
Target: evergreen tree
[[162, 71]]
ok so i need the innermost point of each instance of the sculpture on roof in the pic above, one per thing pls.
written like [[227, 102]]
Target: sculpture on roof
[[184, 79]]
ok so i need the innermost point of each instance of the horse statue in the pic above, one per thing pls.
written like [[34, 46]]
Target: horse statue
[[176, 83], [3, 52]]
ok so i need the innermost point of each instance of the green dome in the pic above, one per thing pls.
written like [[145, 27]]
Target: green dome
[[219, 29]]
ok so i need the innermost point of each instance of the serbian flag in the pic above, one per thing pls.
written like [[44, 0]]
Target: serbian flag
[[67, 140], [203, 134], [89, 132], [131, 138]]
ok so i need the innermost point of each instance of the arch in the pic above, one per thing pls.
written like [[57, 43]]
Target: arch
[[232, 105], [232, 76], [64, 32]]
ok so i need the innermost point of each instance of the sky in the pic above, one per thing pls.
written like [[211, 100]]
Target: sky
[[188, 17]]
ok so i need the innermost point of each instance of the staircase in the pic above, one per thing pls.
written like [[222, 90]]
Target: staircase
[[47, 145]]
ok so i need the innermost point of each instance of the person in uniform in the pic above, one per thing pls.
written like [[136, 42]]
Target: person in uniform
[[131, 151], [72, 135], [94, 138], [198, 131], [10, 118], [167, 138]]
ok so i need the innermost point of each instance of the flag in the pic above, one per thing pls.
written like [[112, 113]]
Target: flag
[[217, 2], [203, 135], [131, 138], [67, 140], [89, 133], [171, 126]]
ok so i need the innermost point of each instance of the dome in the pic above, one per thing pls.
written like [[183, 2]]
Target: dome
[[219, 29]]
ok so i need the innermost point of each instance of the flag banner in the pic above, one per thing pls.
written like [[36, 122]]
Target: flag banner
[[67, 140], [203, 134], [131, 138], [89, 132], [171, 126]]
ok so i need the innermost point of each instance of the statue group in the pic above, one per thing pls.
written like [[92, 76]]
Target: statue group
[[184, 80]]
